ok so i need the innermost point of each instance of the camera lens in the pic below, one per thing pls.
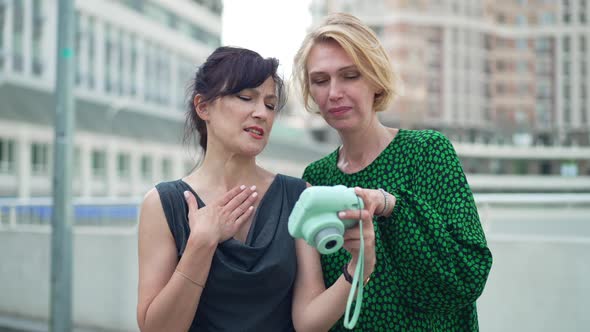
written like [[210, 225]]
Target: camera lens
[[331, 244]]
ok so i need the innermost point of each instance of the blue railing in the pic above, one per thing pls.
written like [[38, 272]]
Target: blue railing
[[87, 212]]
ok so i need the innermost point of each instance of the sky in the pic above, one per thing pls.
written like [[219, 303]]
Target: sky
[[273, 28]]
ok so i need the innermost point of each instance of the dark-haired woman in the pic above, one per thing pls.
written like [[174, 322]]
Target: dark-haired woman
[[214, 250]]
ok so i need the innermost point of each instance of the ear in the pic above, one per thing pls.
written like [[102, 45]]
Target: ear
[[201, 107]]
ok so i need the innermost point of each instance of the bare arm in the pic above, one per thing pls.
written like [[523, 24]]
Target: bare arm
[[167, 300], [316, 308], [170, 290]]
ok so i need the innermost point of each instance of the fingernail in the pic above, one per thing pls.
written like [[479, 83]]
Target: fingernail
[[254, 194], [242, 187], [185, 194], [253, 188], [341, 214]]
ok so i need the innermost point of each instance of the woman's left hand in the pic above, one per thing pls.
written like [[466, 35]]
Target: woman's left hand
[[375, 202], [352, 237]]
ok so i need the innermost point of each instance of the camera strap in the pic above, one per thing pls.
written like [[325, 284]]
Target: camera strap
[[357, 284]]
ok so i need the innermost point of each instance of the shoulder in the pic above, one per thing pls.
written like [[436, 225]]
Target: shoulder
[[167, 186], [428, 139]]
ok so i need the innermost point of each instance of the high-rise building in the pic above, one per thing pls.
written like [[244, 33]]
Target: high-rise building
[[507, 72]]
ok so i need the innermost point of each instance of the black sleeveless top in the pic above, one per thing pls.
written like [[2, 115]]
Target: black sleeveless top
[[250, 285]]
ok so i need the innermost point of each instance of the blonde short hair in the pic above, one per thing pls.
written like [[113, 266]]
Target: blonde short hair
[[362, 45]]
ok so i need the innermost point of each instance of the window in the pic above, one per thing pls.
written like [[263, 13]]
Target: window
[[77, 162], [166, 168], [123, 166], [133, 66], [185, 72], [543, 45], [173, 21], [566, 44], [146, 168], [544, 89], [148, 72], [17, 35], [40, 158], [77, 46], [522, 66], [6, 156], [37, 38], [107, 58], [90, 35], [120, 54], [547, 19], [99, 163], [3, 14], [522, 44]]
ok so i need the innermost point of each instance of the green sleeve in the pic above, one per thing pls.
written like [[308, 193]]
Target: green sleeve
[[434, 239]]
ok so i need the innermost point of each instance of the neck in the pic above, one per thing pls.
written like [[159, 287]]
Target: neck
[[226, 170], [361, 146]]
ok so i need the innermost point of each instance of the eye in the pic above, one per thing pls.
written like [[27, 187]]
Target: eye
[[319, 81], [351, 76], [244, 98], [270, 106]]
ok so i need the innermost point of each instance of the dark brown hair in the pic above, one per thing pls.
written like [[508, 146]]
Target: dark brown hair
[[227, 71]]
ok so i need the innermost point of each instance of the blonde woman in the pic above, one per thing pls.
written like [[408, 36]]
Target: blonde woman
[[432, 260]]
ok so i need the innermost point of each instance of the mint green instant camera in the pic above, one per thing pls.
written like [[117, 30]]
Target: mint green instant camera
[[315, 216]]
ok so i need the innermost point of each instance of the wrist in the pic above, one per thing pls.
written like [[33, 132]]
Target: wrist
[[201, 243], [387, 205], [348, 275]]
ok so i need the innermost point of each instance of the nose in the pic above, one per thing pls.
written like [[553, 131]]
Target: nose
[[260, 111], [335, 92]]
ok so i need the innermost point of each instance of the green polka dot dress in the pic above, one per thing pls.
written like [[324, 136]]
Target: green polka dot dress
[[432, 256]]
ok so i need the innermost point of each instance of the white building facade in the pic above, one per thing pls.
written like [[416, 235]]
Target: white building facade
[[134, 60]]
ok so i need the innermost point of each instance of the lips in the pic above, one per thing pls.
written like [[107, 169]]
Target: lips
[[339, 110], [255, 132]]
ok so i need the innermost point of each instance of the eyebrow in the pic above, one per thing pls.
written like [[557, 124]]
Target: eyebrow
[[339, 70], [257, 93]]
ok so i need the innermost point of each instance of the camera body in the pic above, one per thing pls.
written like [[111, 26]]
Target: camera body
[[315, 216]]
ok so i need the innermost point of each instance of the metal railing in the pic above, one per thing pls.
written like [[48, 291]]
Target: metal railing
[[125, 211], [87, 211]]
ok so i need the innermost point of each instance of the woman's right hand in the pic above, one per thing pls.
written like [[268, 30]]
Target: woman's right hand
[[222, 219]]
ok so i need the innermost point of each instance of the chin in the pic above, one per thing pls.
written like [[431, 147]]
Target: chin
[[342, 125], [253, 151]]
